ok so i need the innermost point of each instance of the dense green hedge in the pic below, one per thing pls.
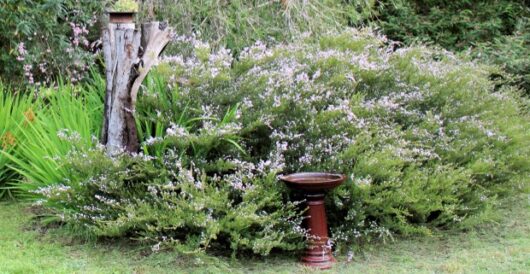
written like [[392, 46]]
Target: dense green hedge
[[454, 25], [495, 31], [418, 129], [511, 53]]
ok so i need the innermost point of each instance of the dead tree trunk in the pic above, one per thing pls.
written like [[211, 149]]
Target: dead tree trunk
[[129, 55]]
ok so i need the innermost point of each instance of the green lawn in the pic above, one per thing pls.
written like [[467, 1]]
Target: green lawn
[[503, 247]]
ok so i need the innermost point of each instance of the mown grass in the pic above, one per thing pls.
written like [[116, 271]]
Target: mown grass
[[501, 247]]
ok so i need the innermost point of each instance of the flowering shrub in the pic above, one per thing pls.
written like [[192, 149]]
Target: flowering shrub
[[423, 136]]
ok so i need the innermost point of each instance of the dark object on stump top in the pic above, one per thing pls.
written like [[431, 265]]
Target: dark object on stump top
[[119, 17]]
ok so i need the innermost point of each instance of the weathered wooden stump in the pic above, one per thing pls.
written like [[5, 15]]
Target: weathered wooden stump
[[129, 55]]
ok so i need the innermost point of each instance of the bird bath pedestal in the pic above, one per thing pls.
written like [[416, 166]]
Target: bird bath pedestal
[[314, 186]]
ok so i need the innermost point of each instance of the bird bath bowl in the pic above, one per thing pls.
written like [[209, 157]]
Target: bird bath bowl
[[314, 186]]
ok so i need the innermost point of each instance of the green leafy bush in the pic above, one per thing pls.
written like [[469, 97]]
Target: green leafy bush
[[47, 38], [173, 201]]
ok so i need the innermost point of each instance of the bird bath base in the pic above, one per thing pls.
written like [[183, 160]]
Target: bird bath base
[[314, 186]]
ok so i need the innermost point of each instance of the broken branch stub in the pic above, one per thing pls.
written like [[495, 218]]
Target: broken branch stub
[[129, 56]]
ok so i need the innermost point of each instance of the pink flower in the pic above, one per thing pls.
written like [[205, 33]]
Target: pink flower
[[21, 52]]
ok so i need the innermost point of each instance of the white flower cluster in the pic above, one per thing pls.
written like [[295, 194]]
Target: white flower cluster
[[52, 191], [69, 135], [174, 131]]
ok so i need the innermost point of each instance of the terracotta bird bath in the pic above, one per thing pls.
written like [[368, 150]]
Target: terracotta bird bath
[[314, 186]]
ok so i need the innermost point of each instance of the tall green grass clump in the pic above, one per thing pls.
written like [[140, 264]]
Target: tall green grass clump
[[427, 140], [68, 118], [16, 112]]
